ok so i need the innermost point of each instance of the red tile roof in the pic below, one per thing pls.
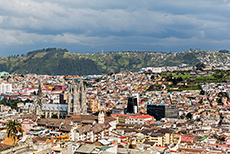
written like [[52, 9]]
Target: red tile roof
[[133, 116]]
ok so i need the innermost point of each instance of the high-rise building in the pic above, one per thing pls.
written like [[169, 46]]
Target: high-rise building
[[136, 102], [162, 111], [132, 105]]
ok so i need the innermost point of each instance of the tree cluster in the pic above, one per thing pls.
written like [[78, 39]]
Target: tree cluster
[[200, 66], [9, 102]]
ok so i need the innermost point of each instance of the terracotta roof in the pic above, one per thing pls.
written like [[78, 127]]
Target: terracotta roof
[[30, 116], [4, 146], [129, 130], [109, 119], [156, 131], [87, 121], [156, 134], [80, 118], [84, 129], [96, 128], [83, 118], [133, 116], [42, 138], [193, 150], [165, 130], [149, 143], [66, 128], [62, 124]]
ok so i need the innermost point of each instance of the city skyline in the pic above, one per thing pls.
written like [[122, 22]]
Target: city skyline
[[93, 26]]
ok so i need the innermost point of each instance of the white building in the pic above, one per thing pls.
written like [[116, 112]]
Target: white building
[[5, 88], [156, 70], [152, 69]]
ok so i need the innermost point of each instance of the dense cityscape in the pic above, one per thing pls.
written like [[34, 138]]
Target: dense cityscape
[[154, 110], [114, 77]]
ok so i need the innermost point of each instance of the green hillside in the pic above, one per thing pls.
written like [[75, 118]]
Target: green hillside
[[59, 61], [50, 61]]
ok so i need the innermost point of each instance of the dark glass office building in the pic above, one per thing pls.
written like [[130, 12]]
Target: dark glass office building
[[132, 105], [159, 111]]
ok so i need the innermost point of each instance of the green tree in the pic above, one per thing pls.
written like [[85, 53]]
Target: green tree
[[219, 75], [200, 66], [54, 116], [189, 116], [108, 113], [222, 139], [201, 101], [98, 79], [222, 94], [202, 92], [14, 104], [175, 81], [13, 127], [131, 146], [219, 101], [153, 77]]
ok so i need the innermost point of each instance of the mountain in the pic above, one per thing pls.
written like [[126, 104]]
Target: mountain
[[50, 61], [59, 61]]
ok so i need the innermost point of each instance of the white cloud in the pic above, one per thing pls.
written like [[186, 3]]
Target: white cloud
[[107, 22], [12, 40]]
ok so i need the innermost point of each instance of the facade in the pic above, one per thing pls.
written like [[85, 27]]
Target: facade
[[76, 103], [77, 98], [162, 137], [4, 108], [91, 133], [133, 119], [91, 128], [47, 110], [5, 88], [171, 111], [62, 98], [152, 69], [101, 117], [162, 111], [3, 73], [132, 106], [158, 111], [118, 111]]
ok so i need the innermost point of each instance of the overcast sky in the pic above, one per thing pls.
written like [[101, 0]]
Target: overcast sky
[[86, 26]]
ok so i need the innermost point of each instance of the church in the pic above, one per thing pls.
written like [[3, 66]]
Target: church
[[76, 103]]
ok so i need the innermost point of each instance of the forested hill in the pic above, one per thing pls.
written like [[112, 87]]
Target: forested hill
[[59, 61], [50, 61]]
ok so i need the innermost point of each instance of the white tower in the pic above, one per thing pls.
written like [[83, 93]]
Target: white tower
[[101, 117]]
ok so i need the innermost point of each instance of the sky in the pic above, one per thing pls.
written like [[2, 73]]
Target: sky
[[92, 26]]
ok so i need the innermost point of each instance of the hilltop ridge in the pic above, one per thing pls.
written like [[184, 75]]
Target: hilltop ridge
[[55, 61]]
